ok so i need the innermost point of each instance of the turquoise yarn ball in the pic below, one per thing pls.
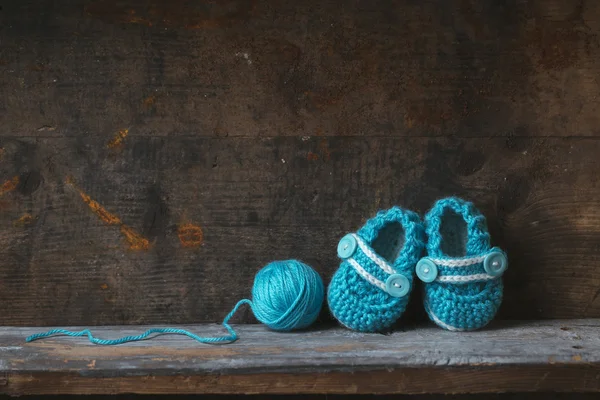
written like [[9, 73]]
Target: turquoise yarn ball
[[287, 295]]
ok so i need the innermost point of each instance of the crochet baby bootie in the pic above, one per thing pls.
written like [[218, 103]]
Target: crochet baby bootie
[[370, 289], [462, 274]]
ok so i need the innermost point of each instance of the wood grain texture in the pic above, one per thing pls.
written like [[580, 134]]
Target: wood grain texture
[[154, 155], [483, 396], [173, 230], [508, 356], [277, 68]]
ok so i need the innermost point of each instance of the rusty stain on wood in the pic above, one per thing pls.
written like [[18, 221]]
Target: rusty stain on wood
[[92, 364], [324, 148], [37, 67], [312, 156], [135, 240], [117, 140], [104, 286], [323, 151], [190, 235], [111, 11], [577, 357], [100, 211], [322, 101], [23, 220], [149, 101], [409, 121], [132, 18], [9, 185]]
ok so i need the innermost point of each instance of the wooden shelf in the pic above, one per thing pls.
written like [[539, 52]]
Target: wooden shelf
[[558, 355]]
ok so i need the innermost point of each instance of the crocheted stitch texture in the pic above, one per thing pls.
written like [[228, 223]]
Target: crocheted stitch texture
[[456, 229], [397, 236]]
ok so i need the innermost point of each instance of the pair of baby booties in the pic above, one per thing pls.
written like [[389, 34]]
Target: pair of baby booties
[[461, 272]]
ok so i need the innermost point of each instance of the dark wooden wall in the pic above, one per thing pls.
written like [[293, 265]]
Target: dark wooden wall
[[503, 396], [155, 154]]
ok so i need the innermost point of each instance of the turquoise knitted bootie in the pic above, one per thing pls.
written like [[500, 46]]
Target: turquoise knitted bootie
[[462, 274], [370, 289]]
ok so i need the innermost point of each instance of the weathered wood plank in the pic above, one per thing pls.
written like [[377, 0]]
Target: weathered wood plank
[[482, 396], [271, 68], [508, 356], [410, 381], [172, 230]]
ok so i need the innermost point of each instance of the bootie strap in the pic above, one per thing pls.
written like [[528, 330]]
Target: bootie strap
[[367, 263], [481, 268]]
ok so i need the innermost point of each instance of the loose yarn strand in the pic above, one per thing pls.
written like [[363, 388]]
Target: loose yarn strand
[[109, 342], [286, 295]]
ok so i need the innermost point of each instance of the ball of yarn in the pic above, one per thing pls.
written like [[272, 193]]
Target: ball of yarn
[[287, 295]]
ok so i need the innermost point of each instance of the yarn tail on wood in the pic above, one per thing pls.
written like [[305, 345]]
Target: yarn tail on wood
[[286, 295], [232, 337]]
